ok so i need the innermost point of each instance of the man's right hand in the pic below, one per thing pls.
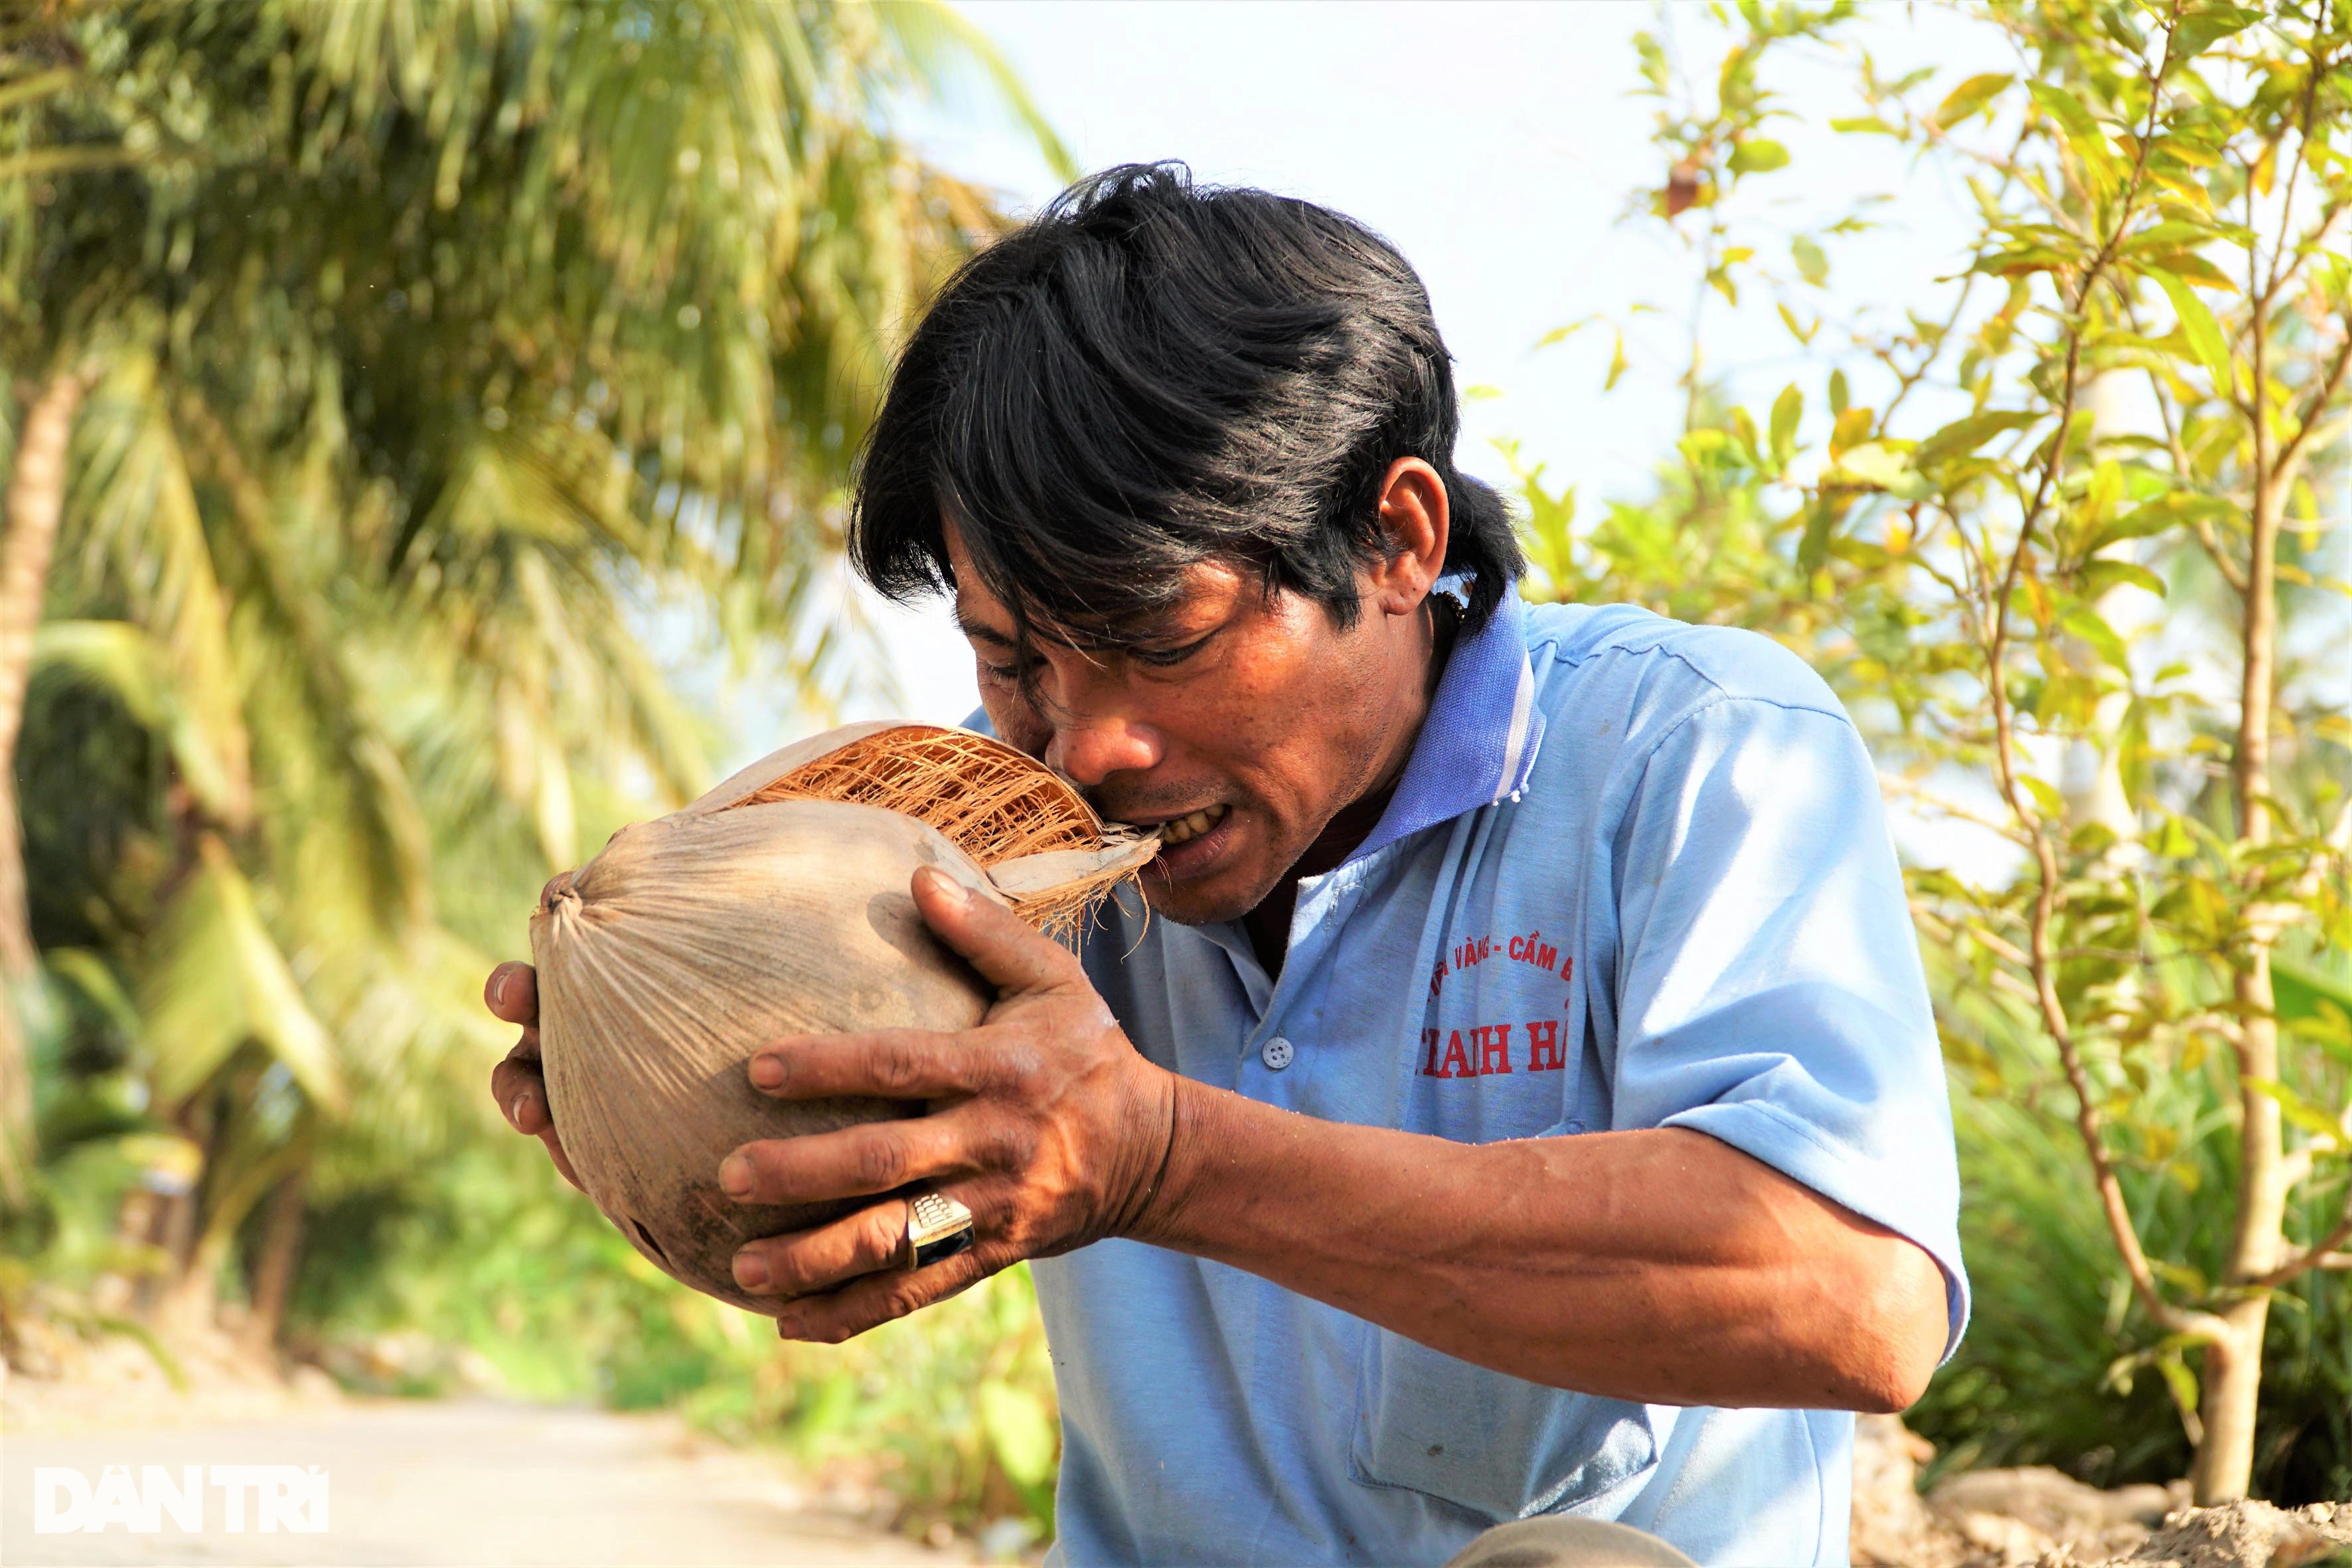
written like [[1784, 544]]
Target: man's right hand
[[512, 993]]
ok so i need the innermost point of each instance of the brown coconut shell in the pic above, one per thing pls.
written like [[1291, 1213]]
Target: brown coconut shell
[[758, 912]]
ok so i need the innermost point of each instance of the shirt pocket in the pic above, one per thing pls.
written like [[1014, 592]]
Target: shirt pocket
[[1499, 1446]]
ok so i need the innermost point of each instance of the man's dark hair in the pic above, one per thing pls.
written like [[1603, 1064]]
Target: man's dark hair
[[1153, 373]]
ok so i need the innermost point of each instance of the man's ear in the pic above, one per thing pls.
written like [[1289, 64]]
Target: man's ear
[[1414, 515]]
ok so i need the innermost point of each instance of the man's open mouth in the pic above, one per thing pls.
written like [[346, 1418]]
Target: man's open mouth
[[1182, 829]]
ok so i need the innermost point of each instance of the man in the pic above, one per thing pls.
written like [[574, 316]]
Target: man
[[1521, 1099]]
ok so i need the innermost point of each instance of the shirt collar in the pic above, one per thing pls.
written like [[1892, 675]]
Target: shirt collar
[[1478, 743]]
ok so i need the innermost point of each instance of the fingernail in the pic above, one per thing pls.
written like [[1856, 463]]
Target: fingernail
[[735, 1176], [751, 1270], [514, 1111], [768, 1071], [788, 1327], [499, 988], [948, 887]]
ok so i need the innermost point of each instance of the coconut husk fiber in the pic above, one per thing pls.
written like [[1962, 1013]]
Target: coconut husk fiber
[[777, 904]]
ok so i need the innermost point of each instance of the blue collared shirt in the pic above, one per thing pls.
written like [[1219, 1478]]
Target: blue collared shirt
[[1636, 874]]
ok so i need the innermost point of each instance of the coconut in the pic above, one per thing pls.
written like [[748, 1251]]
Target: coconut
[[776, 904]]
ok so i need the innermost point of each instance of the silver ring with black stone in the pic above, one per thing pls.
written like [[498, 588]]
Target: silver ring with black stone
[[938, 1228]]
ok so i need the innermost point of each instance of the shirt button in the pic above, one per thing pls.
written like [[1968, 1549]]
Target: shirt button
[[1275, 1053]]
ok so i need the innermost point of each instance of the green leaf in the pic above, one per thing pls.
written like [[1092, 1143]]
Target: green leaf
[[1743, 431], [2089, 624], [2197, 325], [1787, 410], [1850, 429], [1758, 155], [2172, 234], [2112, 23], [1562, 334], [2065, 109], [1797, 329], [1862, 125], [2098, 576], [1965, 434], [1020, 1432], [2166, 511], [2100, 496], [2298, 990], [1654, 62], [1838, 393], [2180, 1381], [1616, 365], [1970, 96], [1820, 520], [2190, 266], [1811, 264], [2295, 1108], [1873, 464], [2202, 27], [2021, 261]]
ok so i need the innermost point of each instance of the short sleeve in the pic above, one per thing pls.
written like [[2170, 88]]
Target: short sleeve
[[1769, 985]]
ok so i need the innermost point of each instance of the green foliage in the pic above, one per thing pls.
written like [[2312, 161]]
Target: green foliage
[[951, 1412], [434, 348], [436, 354], [2043, 540], [2060, 1365]]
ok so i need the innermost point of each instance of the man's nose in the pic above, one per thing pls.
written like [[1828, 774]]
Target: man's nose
[[1086, 751]]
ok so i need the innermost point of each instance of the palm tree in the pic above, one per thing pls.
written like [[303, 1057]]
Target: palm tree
[[36, 486], [419, 345]]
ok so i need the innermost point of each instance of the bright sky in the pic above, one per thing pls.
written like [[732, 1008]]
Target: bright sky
[[1495, 143]]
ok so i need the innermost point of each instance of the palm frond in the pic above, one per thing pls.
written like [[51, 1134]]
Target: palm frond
[[945, 52], [219, 980], [135, 513], [134, 670]]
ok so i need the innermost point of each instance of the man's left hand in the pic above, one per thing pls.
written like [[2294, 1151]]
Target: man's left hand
[[1044, 1120]]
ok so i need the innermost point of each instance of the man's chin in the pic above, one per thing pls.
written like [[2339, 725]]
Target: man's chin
[[1202, 900]]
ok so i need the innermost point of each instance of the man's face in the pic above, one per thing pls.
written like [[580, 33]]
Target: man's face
[[1240, 724]]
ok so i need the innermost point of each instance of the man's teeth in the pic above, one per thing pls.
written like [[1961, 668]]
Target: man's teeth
[[1188, 828]]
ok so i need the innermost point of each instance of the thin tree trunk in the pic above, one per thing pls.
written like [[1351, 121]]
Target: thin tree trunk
[[35, 497], [273, 1270], [2230, 1404], [2230, 1400]]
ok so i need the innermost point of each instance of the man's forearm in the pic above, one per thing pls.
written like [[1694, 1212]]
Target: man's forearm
[[1662, 1266]]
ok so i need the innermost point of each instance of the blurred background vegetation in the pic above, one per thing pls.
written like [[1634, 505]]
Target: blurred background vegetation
[[399, 395], [2066, 527]]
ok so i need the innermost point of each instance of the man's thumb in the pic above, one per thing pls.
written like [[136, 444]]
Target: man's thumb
[[993, 939]]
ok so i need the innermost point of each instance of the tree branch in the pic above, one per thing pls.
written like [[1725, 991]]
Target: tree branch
[[1895, 783], [2315, 407], [2166, 1315], [2318, 1255], [2185, 472], [2313, 77]]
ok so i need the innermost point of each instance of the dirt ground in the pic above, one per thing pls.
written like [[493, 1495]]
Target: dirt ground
[[452, 1484], [484, 1480], [2037, 1517]]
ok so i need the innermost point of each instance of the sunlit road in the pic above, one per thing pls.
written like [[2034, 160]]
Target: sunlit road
[[449, 1484]]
